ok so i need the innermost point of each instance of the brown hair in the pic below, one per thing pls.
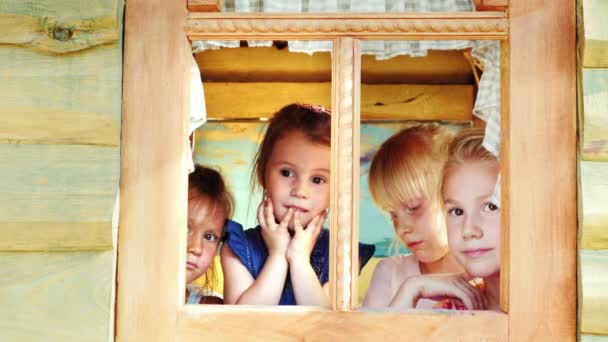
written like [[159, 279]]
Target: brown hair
[[204, 181], [409, 165], [466, 146], [313, 121]]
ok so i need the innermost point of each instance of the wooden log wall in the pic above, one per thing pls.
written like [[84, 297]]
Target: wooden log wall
[[593, 119], [60, 80]]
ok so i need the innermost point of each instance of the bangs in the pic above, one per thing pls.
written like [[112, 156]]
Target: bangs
[[397, 182]]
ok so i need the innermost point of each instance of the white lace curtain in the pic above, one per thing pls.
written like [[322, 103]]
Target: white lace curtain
[[487, 103]]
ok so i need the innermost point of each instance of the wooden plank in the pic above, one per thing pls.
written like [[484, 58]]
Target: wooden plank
[[594, 266], [594, 179], [153, 184], [386, 101], [595, 46], [53, 35], [269, 64], [57, 196], [197, 323], [595, 116], [542, 171], [594, 338], [491, 5], [55, 296], [205, 5], [61, 99]]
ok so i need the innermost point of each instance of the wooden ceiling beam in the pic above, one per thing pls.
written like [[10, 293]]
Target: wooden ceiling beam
[[253, 100], [269, 64]]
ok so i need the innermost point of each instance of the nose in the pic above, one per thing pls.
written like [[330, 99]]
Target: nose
[[402, 226], [300, 188], [195, 245], [472, 228]]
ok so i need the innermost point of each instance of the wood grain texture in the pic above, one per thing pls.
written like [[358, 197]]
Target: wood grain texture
[[341, 200], [57, 197], [55, 296], [269, 64], [153, 184], [319, 26], [594, 273], [196, 323], [595, 115], [595, 44], [594, 186], [542, 171], [241, 100], [61, 99]]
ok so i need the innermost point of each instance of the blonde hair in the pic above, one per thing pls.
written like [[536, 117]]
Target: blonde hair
[[467, 146], [409, 165]]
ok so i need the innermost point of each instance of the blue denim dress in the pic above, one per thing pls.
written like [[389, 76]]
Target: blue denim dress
[[250, 248]]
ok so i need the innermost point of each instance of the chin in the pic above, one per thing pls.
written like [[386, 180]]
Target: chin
[[482, 271]]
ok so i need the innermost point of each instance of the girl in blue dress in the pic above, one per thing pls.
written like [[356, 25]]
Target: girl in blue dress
[[285, 259]]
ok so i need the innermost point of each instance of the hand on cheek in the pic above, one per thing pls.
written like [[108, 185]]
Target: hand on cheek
[[276, 236], [304, 239]]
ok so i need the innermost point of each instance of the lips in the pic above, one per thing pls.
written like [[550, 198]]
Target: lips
[[476, 252], [413, 244], [296, 208], [191, 266]]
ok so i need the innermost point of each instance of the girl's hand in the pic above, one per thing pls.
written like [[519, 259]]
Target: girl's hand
[[452, 289], [304, 239], [276, 237]]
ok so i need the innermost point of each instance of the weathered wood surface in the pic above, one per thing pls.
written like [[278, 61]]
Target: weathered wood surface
[[61, 99], [595, 44], [595, 117], [60, 26], [594, 183], [57, 197], [242, 100], [594, 270], [56, 296]]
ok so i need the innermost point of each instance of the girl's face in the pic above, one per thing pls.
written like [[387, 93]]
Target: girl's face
[[420, 225], [205, 226], [473, 220], [297, 176]]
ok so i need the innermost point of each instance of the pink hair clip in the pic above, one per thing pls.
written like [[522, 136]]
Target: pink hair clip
[[316, 108]]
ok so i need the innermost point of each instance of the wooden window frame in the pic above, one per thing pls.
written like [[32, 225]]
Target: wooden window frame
[[538, 165]]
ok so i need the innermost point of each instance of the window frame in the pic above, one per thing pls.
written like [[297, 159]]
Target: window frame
[[153, 185]]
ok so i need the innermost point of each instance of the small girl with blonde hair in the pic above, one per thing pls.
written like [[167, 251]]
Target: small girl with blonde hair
[[404, 180], [473, 221]]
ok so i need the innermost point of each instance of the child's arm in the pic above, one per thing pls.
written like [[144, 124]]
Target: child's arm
[[438, 287], [266, 289], [306, 286], [379, 294], [241, 288]]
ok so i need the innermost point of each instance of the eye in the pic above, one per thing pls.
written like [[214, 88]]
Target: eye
[[286, 172], [210, 237], [455, 212], [487, 207], [412, 209], [318, 180]]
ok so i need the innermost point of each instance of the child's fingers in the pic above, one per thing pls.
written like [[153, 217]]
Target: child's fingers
[[285, 221], [297, 225], [269, 215], [261, 217]]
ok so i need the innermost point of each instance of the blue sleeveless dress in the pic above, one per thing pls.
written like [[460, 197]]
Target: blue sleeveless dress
[[248, 245]]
